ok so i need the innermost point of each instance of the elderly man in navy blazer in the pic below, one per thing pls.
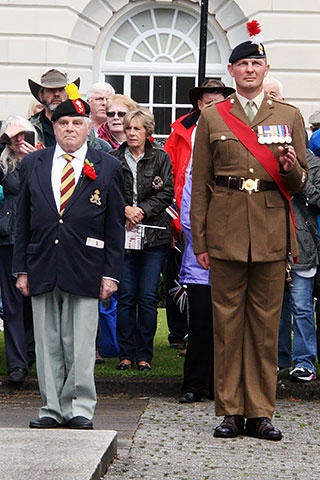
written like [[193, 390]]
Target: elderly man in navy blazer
[[68, 254]]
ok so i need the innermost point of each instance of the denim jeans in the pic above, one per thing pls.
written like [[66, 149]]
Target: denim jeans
[[137, 303], [298, 302]]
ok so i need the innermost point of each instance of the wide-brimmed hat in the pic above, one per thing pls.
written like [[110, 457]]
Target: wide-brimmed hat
[[51, 79], [209, 86]]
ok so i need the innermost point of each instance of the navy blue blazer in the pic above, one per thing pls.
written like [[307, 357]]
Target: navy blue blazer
[[76, 250]]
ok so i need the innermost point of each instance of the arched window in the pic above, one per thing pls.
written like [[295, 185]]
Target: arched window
[[152, 56]]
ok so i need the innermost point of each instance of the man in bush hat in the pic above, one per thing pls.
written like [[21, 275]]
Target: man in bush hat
[[68, 254], [179, 145], [249, 154], [50, 92]]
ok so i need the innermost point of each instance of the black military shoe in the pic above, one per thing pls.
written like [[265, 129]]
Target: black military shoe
[[230, 427], [262, 428]]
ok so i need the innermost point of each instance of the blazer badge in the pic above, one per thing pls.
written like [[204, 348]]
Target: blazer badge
[[95, 197]]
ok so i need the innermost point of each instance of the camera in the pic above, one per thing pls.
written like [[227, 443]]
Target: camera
[[29, 137]]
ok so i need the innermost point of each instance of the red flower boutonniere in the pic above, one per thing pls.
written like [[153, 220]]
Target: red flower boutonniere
[[88, 170]]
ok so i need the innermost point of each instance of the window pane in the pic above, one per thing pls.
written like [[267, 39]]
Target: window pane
[[184, 84], [162, 118], [140, 89], [162, 90], [116, 81]]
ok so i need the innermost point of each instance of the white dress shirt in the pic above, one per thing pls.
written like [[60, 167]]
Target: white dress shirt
[[58, 165]]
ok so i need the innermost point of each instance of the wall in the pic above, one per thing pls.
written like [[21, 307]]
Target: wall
[[39, 35]]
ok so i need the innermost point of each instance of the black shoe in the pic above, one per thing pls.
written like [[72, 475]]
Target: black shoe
[[189, 397], [230, 427], [80, 423], [144, 367], [123, 366], [17, 375], [262, 428], [44, 422]]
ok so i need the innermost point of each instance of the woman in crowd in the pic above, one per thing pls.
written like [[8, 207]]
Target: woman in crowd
[[112, 133], [116, 108], [148, 192], [34, 107], [16, 147], [198, 363]]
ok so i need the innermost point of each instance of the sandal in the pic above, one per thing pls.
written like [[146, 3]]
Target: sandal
[[124, 365], [144, 366]]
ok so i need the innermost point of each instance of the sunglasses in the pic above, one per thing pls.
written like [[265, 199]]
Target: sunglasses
[[112, 114]]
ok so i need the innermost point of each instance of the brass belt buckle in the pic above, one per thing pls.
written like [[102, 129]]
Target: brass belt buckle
[[250, 185]]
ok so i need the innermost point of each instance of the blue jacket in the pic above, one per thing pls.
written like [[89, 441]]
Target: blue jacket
[[191, 271], [76, 250]]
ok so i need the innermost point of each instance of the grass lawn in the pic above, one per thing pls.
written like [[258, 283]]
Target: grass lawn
[[166, 361]]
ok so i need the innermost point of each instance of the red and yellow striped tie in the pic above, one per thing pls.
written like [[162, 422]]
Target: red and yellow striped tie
[[67, 182]]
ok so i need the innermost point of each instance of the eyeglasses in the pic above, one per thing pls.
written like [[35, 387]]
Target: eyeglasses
[[112, 114]]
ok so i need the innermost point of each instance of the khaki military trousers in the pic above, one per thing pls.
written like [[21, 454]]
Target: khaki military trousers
[[247, 301]]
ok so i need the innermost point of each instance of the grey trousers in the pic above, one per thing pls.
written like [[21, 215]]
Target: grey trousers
[[65, 328]]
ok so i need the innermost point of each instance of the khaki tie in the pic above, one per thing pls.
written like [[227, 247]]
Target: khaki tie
[[67, 182], [250, 111]]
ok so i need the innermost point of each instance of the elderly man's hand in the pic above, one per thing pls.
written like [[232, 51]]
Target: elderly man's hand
[[22, 284], [107, 288]]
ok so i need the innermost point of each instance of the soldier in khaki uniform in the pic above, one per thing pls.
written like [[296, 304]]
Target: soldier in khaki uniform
[[242, 230]]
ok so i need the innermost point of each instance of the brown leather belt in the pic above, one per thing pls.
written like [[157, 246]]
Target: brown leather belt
[[245, 184]]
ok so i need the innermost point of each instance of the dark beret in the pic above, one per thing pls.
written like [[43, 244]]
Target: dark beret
[[247, 50], [71, 108]]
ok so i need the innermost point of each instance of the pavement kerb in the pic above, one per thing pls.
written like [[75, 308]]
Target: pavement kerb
[[163, 386]]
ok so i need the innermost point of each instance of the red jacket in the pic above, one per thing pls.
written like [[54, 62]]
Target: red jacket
[[179, 147]]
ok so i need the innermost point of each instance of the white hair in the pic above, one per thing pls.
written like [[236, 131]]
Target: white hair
[[100, 87], [269, 80]]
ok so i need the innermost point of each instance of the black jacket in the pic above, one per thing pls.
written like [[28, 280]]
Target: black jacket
[[11, 187], [153, 198], [306, 207]]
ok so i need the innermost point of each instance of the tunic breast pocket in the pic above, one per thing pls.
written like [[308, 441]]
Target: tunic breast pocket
[[225, 148]]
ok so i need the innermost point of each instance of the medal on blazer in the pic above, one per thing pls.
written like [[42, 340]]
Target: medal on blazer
[[268, 134], [95, 198]]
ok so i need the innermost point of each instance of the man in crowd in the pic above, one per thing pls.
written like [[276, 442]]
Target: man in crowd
[[179, 145], [298, 303], [243, 231], [97, 97], [273, 87], [314, 121], [68, 253], [298, 295], [50, 92]]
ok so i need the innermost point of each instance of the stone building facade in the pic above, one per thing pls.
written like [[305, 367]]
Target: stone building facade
[[148, 49]]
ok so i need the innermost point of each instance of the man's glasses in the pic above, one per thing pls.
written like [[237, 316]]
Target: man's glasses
[[112, 114]]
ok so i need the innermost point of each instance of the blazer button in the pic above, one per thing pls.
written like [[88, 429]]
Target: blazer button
[[56, 242], [60, 221]]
